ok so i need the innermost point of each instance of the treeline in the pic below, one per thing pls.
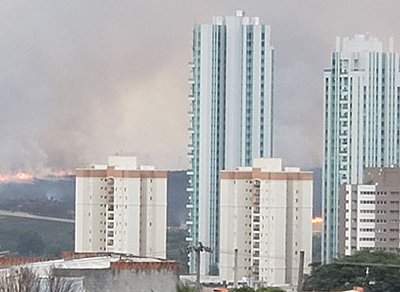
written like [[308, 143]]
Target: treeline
[[375, 271]]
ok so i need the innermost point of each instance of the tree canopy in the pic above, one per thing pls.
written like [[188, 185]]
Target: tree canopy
[[263, 289], [376, 271]]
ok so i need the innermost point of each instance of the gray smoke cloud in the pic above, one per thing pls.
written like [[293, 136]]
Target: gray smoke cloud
[[81, 80]]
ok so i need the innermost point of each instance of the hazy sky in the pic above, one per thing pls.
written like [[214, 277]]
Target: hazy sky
[[81, 80]]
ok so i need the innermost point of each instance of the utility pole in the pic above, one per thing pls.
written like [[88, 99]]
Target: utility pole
[[301, 272], [198, 249], [235, 270]]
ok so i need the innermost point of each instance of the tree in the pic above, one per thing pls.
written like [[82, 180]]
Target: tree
[[184, 288], [25, 280], [19, 280], [56, 283], [262, 289], [243, 289], [30, 243], [270, 289], [383, 273]]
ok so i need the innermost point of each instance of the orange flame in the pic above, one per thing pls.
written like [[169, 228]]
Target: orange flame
[[22, 176], [317, 220], [18, 176]]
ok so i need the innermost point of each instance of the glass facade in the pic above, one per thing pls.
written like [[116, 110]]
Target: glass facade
[[230, 116], [361, 122]]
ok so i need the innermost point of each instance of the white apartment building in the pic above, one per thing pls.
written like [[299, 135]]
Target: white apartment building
[[369, 213], [362, 106], [230, 118], [265, 213], [121, 208]]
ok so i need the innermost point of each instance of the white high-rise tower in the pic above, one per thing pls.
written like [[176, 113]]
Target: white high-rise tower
[[231, 115], [362, 120]]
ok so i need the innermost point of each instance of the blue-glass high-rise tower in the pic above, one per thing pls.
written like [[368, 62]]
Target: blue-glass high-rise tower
[[362, 122], [231, 117]]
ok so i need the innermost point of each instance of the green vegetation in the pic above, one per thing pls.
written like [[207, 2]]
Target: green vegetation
[[176, 241], [263, 289], [376, 271], [25, 280], [185, 288], [316, 248], [27, 237]]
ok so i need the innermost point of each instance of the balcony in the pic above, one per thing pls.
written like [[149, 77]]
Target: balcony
[[255, 270], [110, 233], [110, 217], [110, 225]]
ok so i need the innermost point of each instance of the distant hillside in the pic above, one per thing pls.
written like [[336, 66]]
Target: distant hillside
[[52, 197], [317, 195], [177, 197]]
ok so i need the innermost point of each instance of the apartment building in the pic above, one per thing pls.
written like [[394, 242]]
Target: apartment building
[[121, 207], [230, 117], [362, 100], [266, 214], [369, 212]]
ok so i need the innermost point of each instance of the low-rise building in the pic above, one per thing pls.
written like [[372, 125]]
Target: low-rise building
[[266, 214], [92, 272]]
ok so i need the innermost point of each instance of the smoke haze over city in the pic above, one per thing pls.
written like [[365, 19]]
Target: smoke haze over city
[[83, 80]]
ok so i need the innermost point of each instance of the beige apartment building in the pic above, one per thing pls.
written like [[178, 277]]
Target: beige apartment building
[[121, 207], [266, 214]]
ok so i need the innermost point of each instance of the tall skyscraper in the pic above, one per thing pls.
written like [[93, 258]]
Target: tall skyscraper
[[266, 214], [121, 208], [230, 118], [362, 120]]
